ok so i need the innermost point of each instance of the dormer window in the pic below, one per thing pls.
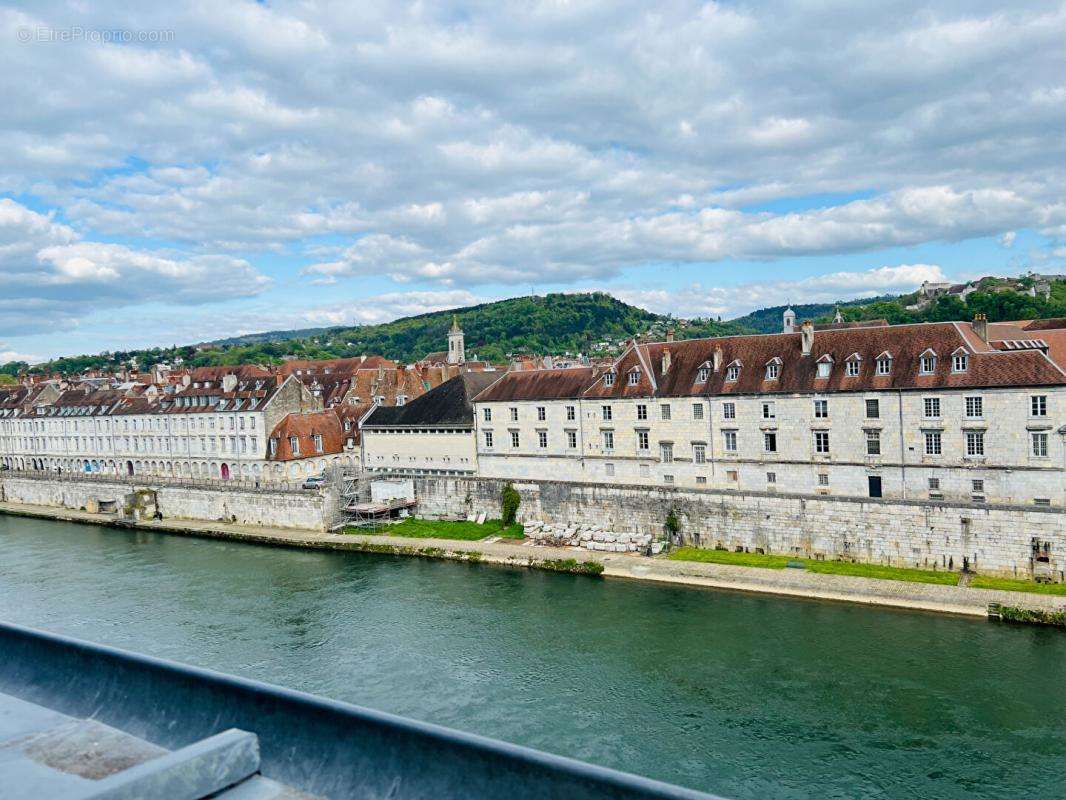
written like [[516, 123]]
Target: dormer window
[[634, 377], [608, 379], [294, 445], [853, 365], [773, 369], [703, 373], [884, 364], [825, 366], [927, 363], [960, 361], [732, 372]]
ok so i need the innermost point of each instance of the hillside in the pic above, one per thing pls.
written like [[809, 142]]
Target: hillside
[[999, 299], [554, 324], [768, 320]]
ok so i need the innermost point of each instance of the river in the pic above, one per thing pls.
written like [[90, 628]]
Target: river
[[744, 695]]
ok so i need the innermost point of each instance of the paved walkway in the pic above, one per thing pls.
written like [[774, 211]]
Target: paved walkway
[[788, 582]]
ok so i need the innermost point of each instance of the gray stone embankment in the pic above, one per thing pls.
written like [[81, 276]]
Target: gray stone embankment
[[786, 582]]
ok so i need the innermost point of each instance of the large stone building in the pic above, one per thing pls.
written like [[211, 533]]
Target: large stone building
[[433, 434], [952, 411], [213, 425]]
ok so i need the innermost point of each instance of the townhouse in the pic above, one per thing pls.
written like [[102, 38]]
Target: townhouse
[[934, 411]]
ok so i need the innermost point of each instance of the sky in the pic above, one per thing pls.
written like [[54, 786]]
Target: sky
[[178, 172]]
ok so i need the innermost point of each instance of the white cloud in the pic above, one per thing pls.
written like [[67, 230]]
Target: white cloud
[[733, 301], [49, 279]]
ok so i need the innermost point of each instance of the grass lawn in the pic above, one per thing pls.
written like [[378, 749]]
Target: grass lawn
[[1014, 585], [823, 567], [728, 557], [444, 529]]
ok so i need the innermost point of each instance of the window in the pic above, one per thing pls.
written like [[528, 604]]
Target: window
[[977, 486], [821, 409], [702, 374], [927, 364], [608, 440], [642, 440], [664, 411], [571, 413], [645, 471], [1038, 405], [931, 407], [821, 441], [959, 362], [514, 414], [873, 409], [571, 439], [666, 452], [488, 438], [769, 442], [668, 478], [851, 369], [642, 411], [542, 413], [768, 410], [732, 475], [608, 470], [316, 438], [934, 484], [975, 443], [697, 410], [1039, 445], [487, 414], [730, 438], [884, 366], [606, 413], [771, 477], [608, 379], [634, 377], [823, 479], [932, 443], [515, 441], [729, 410], [824, 368], [542, 439], [732, 373], [699, 453], [273, 447], [873, 443], [294, 445], [701, 480], [772, 371], [975, 407]]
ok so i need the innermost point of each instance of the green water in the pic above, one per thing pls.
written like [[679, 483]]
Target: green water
[[747, 696]]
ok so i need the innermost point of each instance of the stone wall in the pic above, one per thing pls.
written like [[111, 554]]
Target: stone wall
[[993, 539], [309, 510]]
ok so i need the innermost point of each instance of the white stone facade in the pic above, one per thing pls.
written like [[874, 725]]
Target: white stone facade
[[984, 445]]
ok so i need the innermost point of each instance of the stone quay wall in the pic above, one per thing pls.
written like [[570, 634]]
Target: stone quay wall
[[308, 510], [995, 540]]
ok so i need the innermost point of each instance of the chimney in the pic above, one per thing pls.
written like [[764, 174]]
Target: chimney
[[807, 336], [666, 360], [718, 358], [229, 382], [980, 326], [186, 379], [669, 334]]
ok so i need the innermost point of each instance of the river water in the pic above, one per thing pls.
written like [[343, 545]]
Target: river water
[[743, 695]]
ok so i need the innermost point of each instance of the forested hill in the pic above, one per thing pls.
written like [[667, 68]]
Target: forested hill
[[552, 324], [769, 320], [999, 299]]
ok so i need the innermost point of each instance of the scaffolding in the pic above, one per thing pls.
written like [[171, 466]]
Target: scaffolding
[[357, 507]]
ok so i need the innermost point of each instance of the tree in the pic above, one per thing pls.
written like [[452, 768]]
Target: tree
[[509, 502]]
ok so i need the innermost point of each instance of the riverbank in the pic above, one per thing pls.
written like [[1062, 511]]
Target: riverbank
[[790, 583]]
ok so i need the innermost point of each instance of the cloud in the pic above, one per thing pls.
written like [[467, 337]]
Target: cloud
[[734, 301], [1007, 239], [49, 279]]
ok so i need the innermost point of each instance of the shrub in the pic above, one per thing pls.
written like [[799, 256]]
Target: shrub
[[673, 524], [509, 502]]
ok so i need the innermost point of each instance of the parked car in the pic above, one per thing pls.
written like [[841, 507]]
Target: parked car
[[315, 482]]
